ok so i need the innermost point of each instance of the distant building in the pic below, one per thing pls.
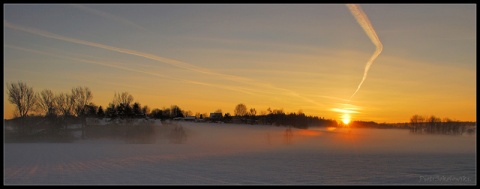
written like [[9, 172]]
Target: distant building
[[216, 115], [190, 118], [107, 121]]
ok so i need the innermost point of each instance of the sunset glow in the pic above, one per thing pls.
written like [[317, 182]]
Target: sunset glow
[[346, 119], [279, 57]]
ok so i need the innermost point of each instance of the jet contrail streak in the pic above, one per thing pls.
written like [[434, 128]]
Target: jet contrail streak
[[233, 88], [362, 19], [172, 62], [109, 16], [169, 61]]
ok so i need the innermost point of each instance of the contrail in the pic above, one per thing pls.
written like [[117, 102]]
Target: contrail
[[110, 16], [173, 62], [362, 19], [233, 88]]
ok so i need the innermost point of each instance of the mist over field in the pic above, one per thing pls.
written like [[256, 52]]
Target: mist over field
[[240, 94], [188, 153]]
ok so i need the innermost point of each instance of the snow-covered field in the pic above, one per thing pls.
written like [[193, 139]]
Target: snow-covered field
[[230, 154]]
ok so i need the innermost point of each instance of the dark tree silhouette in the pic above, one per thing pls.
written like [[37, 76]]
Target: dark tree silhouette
[[122, 98], [145, 110], [47, 103], [240, 110], [100, 112], [156, 114], [176, 111], [81, 97], [137, 110], [65, 106], [435, 125], [91, 110], [23, 97], [111, 111]]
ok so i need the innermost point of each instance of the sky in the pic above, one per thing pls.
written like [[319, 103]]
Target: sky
[[295, 57]]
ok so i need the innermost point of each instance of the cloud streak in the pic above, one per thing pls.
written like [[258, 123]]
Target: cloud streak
[[172, 62], [237, 89], [363, 20], [260, 89], [110, 16]]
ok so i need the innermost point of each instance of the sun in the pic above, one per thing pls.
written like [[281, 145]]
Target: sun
[[346, 118]]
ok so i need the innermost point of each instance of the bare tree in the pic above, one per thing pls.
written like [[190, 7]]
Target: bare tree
[[81, 98], [145, 110], [65, 104], [253, 112], [240, 110], [416, 122], [122, 98], [187, 113], [23, 97], [47, 103], [417, 119]]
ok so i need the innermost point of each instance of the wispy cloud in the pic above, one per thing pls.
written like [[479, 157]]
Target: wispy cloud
[[111, 17], [169, 61], [112, 65], [255, 87]]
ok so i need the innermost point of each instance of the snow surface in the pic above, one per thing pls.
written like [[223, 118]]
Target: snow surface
[[231, 154]]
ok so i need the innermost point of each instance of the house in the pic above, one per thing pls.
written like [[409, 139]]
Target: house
[[216, 117], [190, 118], [107, 121]]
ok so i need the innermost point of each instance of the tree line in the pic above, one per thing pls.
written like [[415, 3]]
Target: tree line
[[435, 125], [279, 118], [424, 125], [58, 110]]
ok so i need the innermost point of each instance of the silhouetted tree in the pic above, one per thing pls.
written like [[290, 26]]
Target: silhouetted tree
[[176, 111], [167, 113], [145, 110], [81, 97], [416, 122], [435, 125], [111, 111], [91, 110], [187, 113], [253, 112], [240, 110], [124, 111], [46, 103], [65, 106], [137, 111], [227, 118], [23, 97], [252, 115], [122, 98], [100, 112], [156, 114]]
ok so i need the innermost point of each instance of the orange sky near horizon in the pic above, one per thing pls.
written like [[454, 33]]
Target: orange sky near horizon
[[291, 57]]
